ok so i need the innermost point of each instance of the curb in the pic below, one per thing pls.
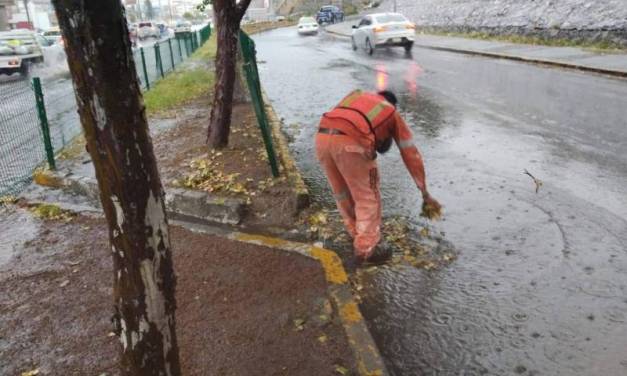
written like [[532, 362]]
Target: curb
[[553, 63], [336, 33], [287, 161], [180, 203], [367, 355], [584, 68]]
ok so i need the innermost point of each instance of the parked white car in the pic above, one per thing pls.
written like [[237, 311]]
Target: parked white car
[[20, 49], [183, 27], [307, 26], [53, 34], [383, 30], [147, 29]]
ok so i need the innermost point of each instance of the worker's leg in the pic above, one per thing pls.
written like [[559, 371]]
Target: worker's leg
[[341, 194], [362, 177]]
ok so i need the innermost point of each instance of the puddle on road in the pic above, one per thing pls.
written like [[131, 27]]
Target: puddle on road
[[540, 283]]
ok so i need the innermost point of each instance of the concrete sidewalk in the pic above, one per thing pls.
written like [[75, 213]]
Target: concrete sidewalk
[[568, 57]]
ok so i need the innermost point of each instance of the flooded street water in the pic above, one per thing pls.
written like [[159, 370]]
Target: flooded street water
[[540, 284]]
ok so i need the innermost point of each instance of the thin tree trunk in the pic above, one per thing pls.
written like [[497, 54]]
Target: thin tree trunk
[[240, 93], [227, 24], [112, 114], [228, 15]]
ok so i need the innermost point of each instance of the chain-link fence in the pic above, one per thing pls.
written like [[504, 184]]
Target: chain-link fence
[[154, 62], [249, 55], [38, 117], [20, 137]]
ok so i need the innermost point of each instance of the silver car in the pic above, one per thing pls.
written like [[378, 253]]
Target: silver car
[[383, 30]]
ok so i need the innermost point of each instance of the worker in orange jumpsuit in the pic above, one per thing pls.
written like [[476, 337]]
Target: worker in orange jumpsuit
[[348, 140]]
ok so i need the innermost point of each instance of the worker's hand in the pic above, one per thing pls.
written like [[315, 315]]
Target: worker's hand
[[431, 208]]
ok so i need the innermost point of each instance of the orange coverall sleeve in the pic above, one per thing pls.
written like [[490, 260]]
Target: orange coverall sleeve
[[409, 151]]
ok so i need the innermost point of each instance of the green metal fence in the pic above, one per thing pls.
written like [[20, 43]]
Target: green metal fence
[[252, 77], [17, 134], [38, 118], [154, 62]]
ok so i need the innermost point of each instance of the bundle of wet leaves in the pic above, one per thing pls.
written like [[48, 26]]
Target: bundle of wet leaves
[[413, 244], [207, 174], [51, 212]]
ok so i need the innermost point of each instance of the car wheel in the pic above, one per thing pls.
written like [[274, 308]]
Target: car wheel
[[408, 46], [369, 47], [353, 44]]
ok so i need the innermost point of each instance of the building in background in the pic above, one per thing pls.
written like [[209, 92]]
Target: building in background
[[260, 10], [162, 10], [27, 14], [5, 13]]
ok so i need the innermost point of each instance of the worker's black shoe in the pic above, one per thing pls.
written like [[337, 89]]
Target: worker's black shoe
[[382, 253]]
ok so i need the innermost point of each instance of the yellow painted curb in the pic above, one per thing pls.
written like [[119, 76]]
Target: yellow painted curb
[[331, 263], [367, 356]]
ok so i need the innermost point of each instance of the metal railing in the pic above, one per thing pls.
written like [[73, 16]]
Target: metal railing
[[38, 118], [249, 55]]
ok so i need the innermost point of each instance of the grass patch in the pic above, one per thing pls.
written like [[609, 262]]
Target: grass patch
[[208, 50], [178, 88], [599, 46], [258, 27]]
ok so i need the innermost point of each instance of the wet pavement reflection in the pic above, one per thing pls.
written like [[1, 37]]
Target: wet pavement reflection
[[539, 287]]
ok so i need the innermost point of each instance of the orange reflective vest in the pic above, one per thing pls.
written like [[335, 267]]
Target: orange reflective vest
[[368, 118], [365, 111]]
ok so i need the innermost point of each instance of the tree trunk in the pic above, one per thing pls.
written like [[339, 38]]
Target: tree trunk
[[227, 20], [240, 92], [112, 114]]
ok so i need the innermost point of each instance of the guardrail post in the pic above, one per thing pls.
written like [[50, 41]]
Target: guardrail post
[[171, 54], [43, 121], [141, 51], [178, 42], [158, 58]]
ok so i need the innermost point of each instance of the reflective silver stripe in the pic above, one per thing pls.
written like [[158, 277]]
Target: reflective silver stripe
[[341, 196], [376, 110], [405, 143]]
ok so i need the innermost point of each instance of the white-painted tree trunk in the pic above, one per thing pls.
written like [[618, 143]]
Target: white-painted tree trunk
[[114, 121]]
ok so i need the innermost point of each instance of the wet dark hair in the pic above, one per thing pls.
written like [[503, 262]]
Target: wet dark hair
[[389, 96], [384, 146]]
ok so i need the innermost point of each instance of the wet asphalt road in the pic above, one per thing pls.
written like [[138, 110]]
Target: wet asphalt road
[[540, 285]]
